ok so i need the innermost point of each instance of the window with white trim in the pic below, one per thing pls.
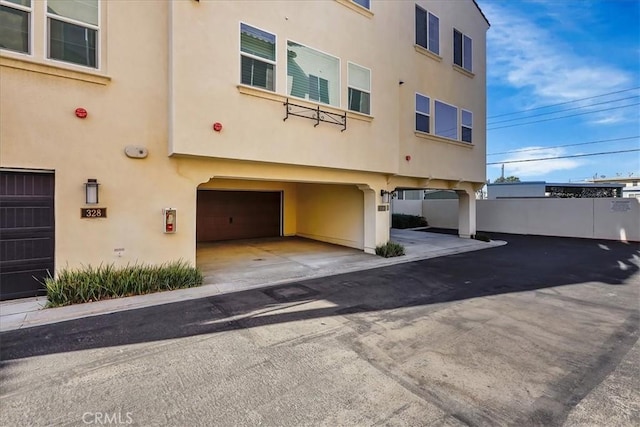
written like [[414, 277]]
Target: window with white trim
[[467, 126], [15, 25], [359, 88], [73, 31], [257, 57], [446, 118], [312, 74], [364, 3], [462, 50], [427, 30], [423, 114]]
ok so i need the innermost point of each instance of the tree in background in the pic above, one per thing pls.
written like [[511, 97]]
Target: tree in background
[[507, 179]]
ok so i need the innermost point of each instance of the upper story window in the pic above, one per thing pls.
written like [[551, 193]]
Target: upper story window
[[422, 113], [359, 88], [467, 126], [363, 3], [312, 75], [72, 29], [446, 117], [462, 50], [257, 57], [427, 30], [15, 25]]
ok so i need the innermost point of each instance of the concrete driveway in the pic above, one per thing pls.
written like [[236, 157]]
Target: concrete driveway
[[542, 331], [249, 264], [242, 264]]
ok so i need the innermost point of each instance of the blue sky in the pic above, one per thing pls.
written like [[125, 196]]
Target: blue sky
[[546, 52]]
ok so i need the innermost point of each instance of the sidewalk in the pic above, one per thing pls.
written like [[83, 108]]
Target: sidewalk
[[296, 262]]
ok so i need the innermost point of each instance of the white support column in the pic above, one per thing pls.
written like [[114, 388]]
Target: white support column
[[466, 213], [376, 223]]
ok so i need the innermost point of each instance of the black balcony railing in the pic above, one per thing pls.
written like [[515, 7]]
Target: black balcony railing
[[316, 114]]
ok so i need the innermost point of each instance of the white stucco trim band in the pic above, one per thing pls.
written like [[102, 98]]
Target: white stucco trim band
[[436, 138], [53, 70]]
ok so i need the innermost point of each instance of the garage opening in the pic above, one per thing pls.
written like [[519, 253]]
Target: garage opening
[[27, 232], [230, 215]]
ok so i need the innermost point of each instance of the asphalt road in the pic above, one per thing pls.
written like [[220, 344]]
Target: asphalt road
[[540, 332]]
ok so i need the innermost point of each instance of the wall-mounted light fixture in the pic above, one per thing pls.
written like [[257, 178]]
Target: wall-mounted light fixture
[[91, 191], [386, 195]]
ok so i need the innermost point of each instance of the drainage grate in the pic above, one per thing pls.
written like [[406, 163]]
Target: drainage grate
[[289, 293]]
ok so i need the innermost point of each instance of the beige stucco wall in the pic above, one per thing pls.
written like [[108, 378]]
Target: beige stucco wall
[[164, 86], [205, 89], [582, 218], [38, 129], [432, 156], [319, 207]]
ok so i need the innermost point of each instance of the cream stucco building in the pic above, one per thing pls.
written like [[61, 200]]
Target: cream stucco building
[[248, 119]]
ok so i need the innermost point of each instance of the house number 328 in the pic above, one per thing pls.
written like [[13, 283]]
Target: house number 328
[[93, 213]]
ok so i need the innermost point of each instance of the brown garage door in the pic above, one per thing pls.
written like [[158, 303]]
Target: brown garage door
[[26, 232], [229, 215]]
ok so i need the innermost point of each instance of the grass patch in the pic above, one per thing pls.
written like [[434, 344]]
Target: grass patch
[[74, 286], [390, 249], [407, 221]]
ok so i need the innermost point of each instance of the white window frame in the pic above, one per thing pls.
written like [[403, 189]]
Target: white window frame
[[463, 126], [427, 28], [435, 121], [30, 11], [258, 58], [47, 39], [467, 67], [427, 115], [357, 88], [338, 80]]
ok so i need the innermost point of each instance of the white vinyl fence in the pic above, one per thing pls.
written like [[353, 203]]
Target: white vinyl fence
[[605, 218]]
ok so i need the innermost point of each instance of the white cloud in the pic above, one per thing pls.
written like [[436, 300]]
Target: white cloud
[[539, 168], [530, 57]]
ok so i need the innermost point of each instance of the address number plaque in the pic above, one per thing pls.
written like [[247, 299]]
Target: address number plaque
[[93, 212]]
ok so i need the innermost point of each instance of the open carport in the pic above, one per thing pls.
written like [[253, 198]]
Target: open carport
[[242, 264]]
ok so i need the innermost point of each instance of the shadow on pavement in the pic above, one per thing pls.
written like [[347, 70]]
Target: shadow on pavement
[[526, 263]]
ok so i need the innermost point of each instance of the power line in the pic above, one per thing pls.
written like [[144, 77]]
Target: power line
[[563, 157], [562, 111], [565, 117], [562, 103], [566, 145]]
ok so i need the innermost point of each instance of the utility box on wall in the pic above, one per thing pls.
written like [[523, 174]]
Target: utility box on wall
[[169, 220]]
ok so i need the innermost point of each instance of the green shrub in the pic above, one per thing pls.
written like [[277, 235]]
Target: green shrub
[[482, 237], [390, 249], [407, 221], [72, 286]]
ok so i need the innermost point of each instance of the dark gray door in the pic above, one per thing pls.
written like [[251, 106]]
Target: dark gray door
[[26, 232], [230, 215]]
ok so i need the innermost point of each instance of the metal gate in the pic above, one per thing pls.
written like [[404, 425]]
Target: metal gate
[[27, 232]]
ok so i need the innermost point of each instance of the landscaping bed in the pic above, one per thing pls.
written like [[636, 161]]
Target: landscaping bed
[[87, 284]]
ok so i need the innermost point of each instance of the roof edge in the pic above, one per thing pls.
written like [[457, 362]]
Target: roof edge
[[482, 13]]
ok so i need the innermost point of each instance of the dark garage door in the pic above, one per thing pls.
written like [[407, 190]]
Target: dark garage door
[[229, 215], [26, 232]]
